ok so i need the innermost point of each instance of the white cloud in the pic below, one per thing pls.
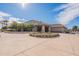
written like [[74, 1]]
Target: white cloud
[[60, 7], [4, 14], [18, 20], [1, 18], [11, 19], [70, 12]]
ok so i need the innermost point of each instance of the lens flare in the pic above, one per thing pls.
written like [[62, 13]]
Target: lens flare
[[23, 5]]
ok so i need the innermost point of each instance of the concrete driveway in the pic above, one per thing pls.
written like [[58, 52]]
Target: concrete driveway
[[21, 44]]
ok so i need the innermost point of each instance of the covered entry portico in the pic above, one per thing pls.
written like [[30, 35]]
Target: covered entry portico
[[41, 28]]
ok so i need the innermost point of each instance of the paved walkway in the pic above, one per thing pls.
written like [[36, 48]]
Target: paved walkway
[[21, 44]]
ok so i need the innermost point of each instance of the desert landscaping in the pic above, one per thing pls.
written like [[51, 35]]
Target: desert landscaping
[[21, 44]]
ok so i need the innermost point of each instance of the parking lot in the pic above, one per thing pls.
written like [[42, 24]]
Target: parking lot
[[21, 44]]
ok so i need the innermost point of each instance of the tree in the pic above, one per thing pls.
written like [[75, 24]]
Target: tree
[[4, 24], [5, 27], [24, 26], [67, 30], [78, 29], [29, 27], [13, 26], [75, 28], [20, 26]]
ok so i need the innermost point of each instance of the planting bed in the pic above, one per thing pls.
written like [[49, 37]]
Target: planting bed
[[44, 35]]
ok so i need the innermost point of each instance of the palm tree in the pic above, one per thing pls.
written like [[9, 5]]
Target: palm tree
[[5, 23], [75, 28], [2, 24]]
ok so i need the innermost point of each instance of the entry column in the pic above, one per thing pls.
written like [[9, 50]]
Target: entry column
[[49, 29], [43, 28]]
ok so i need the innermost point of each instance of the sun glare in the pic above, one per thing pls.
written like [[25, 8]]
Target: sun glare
[[23, 5]]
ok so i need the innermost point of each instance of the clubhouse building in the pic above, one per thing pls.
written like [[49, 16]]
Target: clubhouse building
[[39, 26]]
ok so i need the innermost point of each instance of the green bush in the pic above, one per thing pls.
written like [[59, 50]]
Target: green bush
[[44, 35]]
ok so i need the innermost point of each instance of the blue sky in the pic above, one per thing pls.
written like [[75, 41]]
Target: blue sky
[[51, 13]]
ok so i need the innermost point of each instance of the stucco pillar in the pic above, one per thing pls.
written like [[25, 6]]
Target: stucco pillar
[[43, 28], [49, 29]]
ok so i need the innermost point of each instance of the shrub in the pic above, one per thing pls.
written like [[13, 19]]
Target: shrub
[[44, 35]]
